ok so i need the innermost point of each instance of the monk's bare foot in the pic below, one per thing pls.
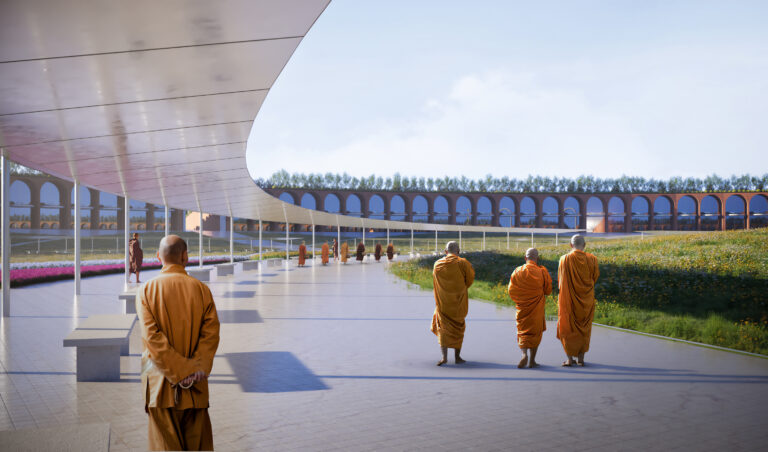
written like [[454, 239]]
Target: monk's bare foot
[[459, 360], [523, 362], [442, 361], [568, 363], [533, 364], [581, 363], [581, 359]]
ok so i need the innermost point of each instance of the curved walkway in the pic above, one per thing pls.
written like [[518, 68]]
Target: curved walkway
[[340, 358]]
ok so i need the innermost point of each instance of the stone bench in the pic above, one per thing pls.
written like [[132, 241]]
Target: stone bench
[[129, 301], [250, 265], [274, 262], [98, 353], [202, 274], [111, 322], [225, 269]]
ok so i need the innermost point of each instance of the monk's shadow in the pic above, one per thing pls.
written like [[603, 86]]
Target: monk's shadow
[[249, 283], [480, 365], [238, 294], [272, 372]]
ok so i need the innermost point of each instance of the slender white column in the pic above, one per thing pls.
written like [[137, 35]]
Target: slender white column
[[531, 239], [483, 240], [231, 240], [557, 239], [387, 235], [313, 245], [363, 235], [411, 240], [507, 239], [459, 239], [435, 240], [287, 240], [167, 222], [259, 241], [338, 240], [127, 238], [6, 226], [200, 242], [76, 224]]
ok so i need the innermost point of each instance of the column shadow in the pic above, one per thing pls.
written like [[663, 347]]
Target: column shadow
[[273, 372], [239, 316]]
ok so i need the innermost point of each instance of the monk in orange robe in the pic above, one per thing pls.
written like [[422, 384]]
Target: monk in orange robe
[[324, 251], [180, 335], [135, 256], [451, 277], [377, 252], [302, 254], [576, 277], [344, 252], [528, 287], [360, 251], [390, 251]]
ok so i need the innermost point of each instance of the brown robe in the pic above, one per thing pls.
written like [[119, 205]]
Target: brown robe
[[576, 277], [528, 287], [302, 254], [452, 276], [390, 251], [360, 251], [335, 250], [180, 335], [135, 255], [324, 251], [377, 252]]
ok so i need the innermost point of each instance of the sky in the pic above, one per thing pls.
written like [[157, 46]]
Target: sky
[[512, 88]]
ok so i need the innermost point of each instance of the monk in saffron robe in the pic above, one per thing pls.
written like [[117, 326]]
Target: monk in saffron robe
[[451, 276], [377, 252], [135, 256], [302, 254], [528, 287], [180, 335], [344, 252], [360, 251], [576, 278], [390, 251], [335, 250], [324, 251]]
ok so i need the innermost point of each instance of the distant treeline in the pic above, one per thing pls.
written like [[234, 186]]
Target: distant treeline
[[531, 184]]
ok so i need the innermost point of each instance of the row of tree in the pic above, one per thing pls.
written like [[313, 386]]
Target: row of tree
[[531, 184]]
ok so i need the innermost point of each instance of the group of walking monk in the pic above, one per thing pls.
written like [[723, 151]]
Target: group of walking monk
[[528, 288], [344, 255]]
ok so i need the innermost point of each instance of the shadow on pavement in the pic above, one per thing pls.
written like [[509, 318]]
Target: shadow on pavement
[[273, 372], [239, 316]]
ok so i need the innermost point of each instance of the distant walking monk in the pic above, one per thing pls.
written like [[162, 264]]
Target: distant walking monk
[[360, 251], [344, 252], [528, 287], [302, 254], [390, 251], [576, 277], [324, 251], [335, 250], [135, 256], [377, 252], [180, 335], [451, 276]]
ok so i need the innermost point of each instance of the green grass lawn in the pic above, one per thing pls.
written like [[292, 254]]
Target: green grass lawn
[[710, 288]]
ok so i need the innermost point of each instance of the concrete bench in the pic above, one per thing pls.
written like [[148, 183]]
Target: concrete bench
[[250, 265], [111, 322], [98, 353], [274, 262], [129, 301], [203, 274], [225, 269]]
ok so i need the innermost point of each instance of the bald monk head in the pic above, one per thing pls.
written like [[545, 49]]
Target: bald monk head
[[452, 248], [578, 242], [532, 255], [173, 250]]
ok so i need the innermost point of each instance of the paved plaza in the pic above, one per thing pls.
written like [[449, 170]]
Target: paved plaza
[[341, 358]]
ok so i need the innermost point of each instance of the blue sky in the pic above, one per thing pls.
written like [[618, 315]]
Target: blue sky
[[435, 88]]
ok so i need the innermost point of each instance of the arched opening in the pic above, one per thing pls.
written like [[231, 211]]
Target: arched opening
[[549, 210], [616, 215], [527, 213], [484, 211], [441, 210], [331, 203], [595, 215], [50, 205], [353, 206], [640, 212], [758, 211], [507, 212], [107, 211], [571, 213], [376, 207], [158, 219], [308, 201], [463, 210], [287, 197], [21, 203], [397, 208], [85, 205], [138, 215], [735, 212], [710, 214], [420, 209], [686, 214], [662, 214]]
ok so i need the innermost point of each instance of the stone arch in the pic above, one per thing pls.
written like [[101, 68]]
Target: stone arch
[[309, 201], [21, 202], [377, 207], [507, 211], [641, 211], [735, 212], [528, 212], [595, 215], [420, 208], [332, 203], [85, 203], [758, 211], [572, 212], [50, 195], [441, 209], [662, 213], [687, 210], [550, 212], [353, 206], [485, 210], [108, 211], [616, 214], [397, 209], [464, 210], [137, 214], [710, 214], [287, 197]]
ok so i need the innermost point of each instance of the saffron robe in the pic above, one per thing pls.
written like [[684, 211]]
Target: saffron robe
[[377, 252], [302, 254], [360, 251], [325, 253], [344, 252], [180, 335], [390, 251], [528, 287], [576, 277], [135, 255], [452, 276]]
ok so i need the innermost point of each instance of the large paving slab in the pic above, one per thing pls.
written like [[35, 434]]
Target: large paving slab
[[341, 358]]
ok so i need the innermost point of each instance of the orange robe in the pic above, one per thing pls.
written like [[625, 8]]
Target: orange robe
[[576, 277], [451, 276], [325, 253], [390, 251], [302, 254], [528, 287], [344, 252], [180, 335]]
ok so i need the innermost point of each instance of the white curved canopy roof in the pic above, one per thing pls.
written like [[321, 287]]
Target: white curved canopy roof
[[154, 100]]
